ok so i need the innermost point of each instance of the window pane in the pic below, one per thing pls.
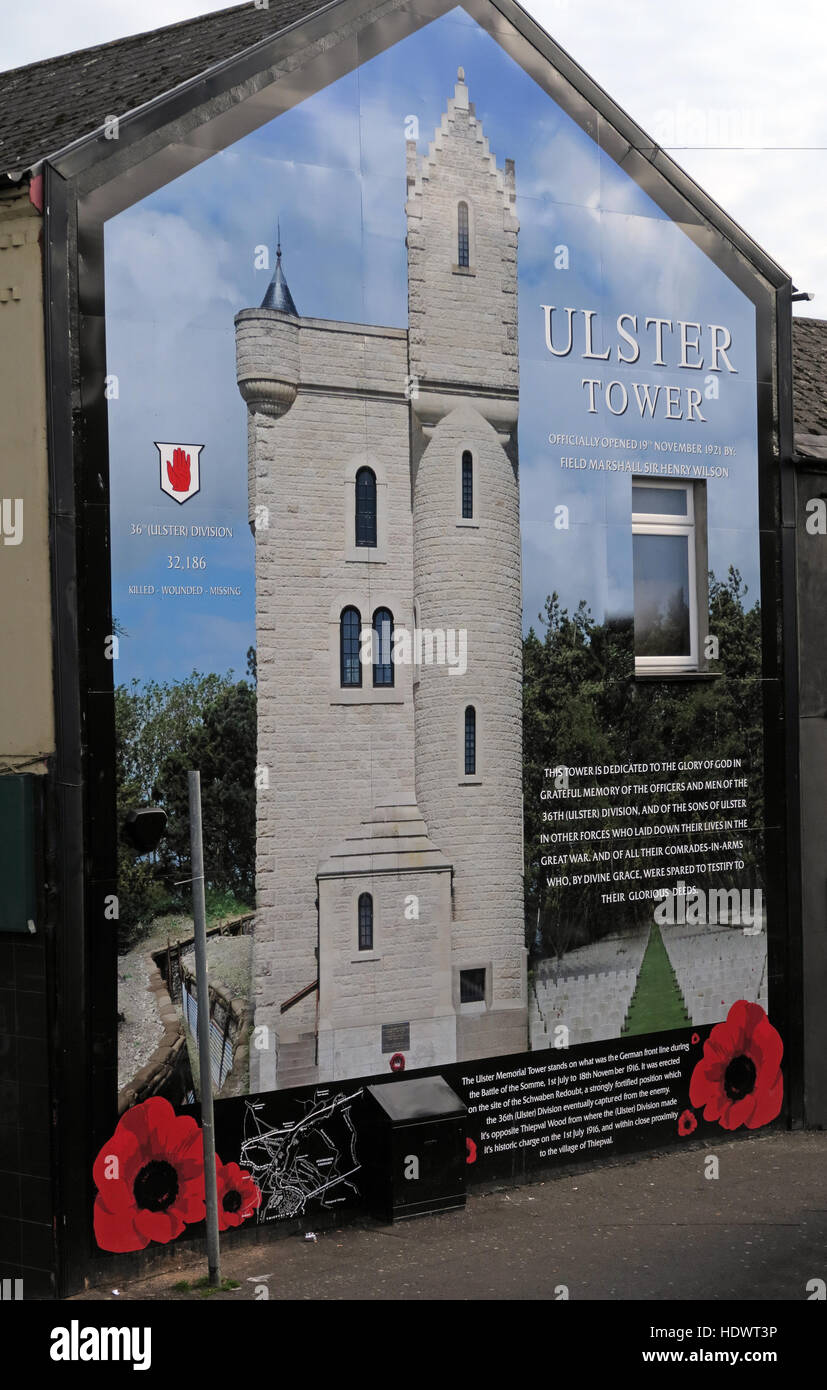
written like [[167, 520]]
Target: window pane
[[365, 922], [366, 507], [661, 570], [462, 234], [349, 635], [382, 647], [467, 486], [472, 986], [663, 501], [470, 741]]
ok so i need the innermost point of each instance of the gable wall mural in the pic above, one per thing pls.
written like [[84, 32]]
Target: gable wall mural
[[435, 468]]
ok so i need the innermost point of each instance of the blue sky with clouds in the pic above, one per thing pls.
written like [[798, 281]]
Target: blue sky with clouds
[[182, 263]]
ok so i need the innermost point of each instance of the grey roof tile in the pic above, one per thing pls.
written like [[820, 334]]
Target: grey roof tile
[[45, 106], [810, 376]]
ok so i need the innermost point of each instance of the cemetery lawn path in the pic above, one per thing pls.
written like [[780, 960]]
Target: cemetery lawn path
[[657, 1003]]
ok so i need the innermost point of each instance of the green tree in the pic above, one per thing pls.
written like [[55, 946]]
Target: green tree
[[582, 707], [222, 747], [151, 719]]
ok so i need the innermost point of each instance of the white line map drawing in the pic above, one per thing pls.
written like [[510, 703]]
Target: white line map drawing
[[298, 1161]]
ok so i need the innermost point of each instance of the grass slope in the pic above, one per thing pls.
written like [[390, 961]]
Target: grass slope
[[657, 1003]]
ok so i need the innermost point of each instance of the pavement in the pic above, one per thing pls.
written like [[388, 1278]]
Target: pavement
[[650, 1228]]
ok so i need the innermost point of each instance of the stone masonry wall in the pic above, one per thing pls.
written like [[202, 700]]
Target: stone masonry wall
[[463, 353], [405, 978], [330, 755], [326, 398], [469, 577], [462, 323]]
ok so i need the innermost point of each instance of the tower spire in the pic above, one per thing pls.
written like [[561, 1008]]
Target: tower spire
[[278, 294]]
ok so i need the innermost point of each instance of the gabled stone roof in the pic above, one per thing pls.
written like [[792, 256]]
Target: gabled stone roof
[[45, 106], [459, 106]]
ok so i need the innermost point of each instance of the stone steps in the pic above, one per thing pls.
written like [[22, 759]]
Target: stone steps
[[296, 1063]]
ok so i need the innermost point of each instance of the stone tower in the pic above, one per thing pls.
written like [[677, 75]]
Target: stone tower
[[464, 367], [347, 768]]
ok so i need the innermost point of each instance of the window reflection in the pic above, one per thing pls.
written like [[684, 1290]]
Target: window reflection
[[661, 579]]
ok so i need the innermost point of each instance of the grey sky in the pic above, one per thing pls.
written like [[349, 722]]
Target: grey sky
[[704, 75]]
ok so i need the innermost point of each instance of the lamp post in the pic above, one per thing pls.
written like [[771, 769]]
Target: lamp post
[[199, 912]]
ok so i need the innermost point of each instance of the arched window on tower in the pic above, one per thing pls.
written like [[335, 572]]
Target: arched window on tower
[[365, 922], [366, 507], [470, 741], [463, 241], [350, 625], [467, 486], [382, 647]]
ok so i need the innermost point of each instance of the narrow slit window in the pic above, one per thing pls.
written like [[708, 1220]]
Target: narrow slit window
[[350, 625], [366, 508], [470, 741], [463, 241], [365, 922], [383, 647], [467, 485]]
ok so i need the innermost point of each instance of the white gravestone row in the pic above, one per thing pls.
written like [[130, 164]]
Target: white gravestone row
[[589, 990], [715, 967]]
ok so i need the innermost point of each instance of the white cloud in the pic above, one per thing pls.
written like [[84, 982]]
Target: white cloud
[[714, 74], [176, 258], [705, 74]]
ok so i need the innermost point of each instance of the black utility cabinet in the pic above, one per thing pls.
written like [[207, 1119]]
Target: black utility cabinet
[[414, 1148]]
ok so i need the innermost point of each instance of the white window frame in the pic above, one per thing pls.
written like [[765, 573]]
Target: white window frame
[[661, 524]]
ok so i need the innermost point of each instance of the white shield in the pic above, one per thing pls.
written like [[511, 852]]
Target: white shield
[[180, 470]]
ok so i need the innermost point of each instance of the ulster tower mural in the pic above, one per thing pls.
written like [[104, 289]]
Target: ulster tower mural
[[383, 491]]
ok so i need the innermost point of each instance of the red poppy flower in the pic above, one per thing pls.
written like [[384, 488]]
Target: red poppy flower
[[470, 1151], [686, 1123], [238, 1196], [695, 1039], [150, 1178], [738, 1080]]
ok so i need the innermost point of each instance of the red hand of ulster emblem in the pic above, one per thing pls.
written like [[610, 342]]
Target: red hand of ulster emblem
[[178, 471]]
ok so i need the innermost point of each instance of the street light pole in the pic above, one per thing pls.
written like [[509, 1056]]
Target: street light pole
[[199, 912]]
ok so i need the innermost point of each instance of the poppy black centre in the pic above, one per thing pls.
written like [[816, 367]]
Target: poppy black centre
[[232, 1201], [156, 1186], [739, 1078]]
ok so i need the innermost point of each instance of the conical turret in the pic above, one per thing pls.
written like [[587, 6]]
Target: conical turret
[[278, 294]]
